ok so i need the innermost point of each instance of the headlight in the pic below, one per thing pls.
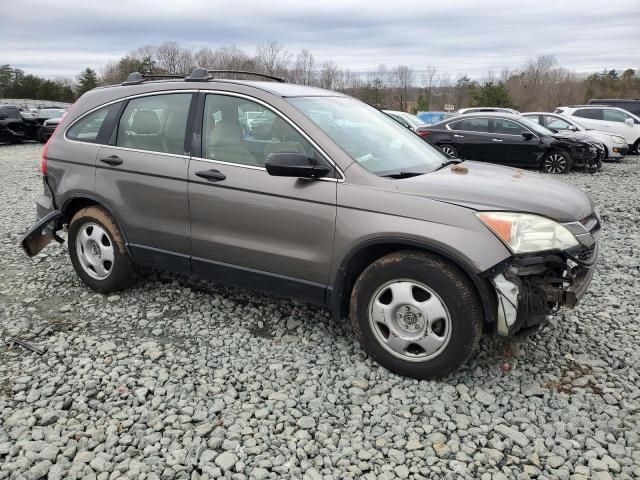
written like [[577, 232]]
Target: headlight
[[523, 232], [618, 139]]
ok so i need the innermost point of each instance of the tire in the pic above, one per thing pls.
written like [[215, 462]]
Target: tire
[[40, 136], [636, 148], [557, 163], [98, 252], [442, 314], [449, 150]]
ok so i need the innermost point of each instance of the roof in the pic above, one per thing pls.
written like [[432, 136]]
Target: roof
[[511, 116]]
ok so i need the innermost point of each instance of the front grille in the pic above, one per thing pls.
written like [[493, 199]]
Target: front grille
[[586, 254]]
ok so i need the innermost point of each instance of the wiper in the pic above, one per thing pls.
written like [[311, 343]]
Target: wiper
[[402, 175], [453, 161]]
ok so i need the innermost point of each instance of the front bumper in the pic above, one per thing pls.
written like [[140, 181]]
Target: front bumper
[[618, 151], [530, 287]]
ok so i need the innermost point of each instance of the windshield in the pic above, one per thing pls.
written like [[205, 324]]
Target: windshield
[[535, 127], [371, 138]]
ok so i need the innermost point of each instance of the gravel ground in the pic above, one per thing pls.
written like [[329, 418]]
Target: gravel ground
[[179, 378]]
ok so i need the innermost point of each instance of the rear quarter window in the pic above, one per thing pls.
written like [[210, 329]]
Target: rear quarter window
[[88, 128]]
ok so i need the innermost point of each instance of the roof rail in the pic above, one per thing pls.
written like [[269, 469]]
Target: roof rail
[[136, 77], [203, 75]]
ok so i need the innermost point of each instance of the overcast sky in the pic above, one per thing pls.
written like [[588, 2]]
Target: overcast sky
[[62, 37]]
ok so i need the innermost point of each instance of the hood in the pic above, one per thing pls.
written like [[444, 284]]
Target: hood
[[485, 186], [572, 136]]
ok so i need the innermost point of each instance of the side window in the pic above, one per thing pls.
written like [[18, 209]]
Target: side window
[[236, 130], [507, 127], [88, 128], [557, 123], [614, 116], [474, 125], [157, 123], [592, 113], [533, 118]]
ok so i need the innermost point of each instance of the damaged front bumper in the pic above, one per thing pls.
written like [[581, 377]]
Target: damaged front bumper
[[42, 233], [530, 287]]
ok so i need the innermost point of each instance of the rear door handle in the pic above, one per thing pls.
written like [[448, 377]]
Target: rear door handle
[[113, 160], [496, 140], [458, 136], [212, 175]]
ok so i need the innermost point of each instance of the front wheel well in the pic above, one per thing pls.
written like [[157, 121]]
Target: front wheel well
[[358, 262]]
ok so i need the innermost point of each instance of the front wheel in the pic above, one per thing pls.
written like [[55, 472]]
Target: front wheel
[[557, 163], [416, 314], [98, 252], [449, 151]]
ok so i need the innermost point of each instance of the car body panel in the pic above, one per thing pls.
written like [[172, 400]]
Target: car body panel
[[630, 131]]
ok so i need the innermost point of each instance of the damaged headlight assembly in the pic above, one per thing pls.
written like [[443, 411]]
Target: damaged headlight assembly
[[527, 233], [521, 233]]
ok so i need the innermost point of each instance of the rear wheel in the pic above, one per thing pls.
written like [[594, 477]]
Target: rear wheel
[[557, 163], [449, 151], [98, 252], [416, 314], [636, 148]]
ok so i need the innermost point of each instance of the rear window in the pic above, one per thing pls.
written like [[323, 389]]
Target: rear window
[[471, 125], [592, 113]]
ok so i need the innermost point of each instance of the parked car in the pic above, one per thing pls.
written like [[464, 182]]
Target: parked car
[[432, 117], [513, 140], [12, 127], [421, 251], [608, 119], [464, 111], [412, 122], [628, 104], [49, 126], [615, 145], [43, 115]]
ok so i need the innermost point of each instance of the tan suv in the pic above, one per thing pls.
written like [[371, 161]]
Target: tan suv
[[324, 199]]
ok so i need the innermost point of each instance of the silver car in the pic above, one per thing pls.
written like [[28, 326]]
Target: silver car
[[338, 205]]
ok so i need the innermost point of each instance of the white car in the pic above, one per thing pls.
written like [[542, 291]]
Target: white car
[[607, 119], [463, 111], [412, 122], [616, 145]]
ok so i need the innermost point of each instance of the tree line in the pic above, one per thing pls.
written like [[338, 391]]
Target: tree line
[[539, 84]]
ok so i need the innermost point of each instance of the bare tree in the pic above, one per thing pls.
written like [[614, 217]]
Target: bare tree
[[272, 59], [428, 80], [167, 57], [206, 58], [232, 58], [328, 75], [303, 72], [403, 77]]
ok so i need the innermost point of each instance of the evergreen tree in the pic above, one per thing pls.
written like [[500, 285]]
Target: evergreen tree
[[87, 80], [492, 94]]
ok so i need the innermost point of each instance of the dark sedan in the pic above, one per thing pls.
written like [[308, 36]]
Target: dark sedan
[[513, 140]]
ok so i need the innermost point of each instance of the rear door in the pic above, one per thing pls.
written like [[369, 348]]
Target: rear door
[[470, 137], [141, 176], [592, 118], [251, 228]]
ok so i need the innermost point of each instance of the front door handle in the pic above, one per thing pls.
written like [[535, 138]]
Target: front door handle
[[212, 175], [496, 140], [113, 160], [458, 136]]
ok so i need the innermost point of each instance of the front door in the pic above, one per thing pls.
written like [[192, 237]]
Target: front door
[[509, 146], [142, 175], [248, 227]]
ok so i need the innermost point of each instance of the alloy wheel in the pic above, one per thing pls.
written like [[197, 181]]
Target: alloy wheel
[[555, 163], [448, 151]]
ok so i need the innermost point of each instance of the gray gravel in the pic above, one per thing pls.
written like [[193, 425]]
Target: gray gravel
[[179, 378]]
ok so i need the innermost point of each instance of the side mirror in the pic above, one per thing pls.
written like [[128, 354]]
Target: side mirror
[[629, 121], [527, 135], [294, 165]]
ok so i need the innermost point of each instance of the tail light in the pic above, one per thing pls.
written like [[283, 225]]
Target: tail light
[[423, 133]]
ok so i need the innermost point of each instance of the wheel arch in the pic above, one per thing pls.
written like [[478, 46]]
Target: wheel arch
[[367, 252], [76, 202]]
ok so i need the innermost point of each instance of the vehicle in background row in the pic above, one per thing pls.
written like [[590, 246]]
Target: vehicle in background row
[[342, 207], [44, 114], [465, 111], [630, 105], [409, 121], [607, 119], [513, 140], [615, 145], [432, 117], [12, 125], [49, 126]]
